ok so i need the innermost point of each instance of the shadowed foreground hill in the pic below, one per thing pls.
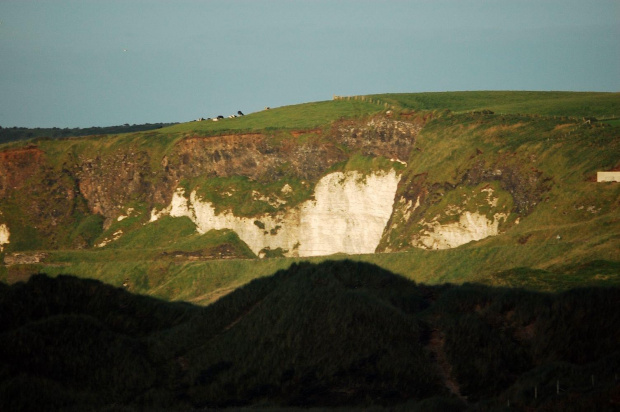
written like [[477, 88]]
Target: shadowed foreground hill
[[333, 334]]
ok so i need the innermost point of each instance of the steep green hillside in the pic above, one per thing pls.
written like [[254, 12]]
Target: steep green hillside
[[496, 187], [337, 334]]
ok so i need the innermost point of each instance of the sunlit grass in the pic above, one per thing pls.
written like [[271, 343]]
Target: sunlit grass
[[301, 116]]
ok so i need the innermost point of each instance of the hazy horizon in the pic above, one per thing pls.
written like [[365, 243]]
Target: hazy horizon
[[70, 63]]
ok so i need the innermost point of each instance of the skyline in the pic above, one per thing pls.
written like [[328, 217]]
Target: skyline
[[85, 63]]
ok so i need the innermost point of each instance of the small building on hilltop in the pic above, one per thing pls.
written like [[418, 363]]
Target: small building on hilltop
[[608, 176]]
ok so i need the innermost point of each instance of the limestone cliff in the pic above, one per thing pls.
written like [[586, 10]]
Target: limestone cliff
[[371, 184], [347, 214], [109, 182], [4, 236], [287, 174]]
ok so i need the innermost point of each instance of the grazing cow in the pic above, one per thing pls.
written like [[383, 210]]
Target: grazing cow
[[220, 117], [232, 116], [240, 113]]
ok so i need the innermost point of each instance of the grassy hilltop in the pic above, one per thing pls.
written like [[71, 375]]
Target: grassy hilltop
[[562, 232]]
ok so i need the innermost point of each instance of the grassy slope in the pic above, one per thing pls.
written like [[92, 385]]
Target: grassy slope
[[448, 140], [296, 117]]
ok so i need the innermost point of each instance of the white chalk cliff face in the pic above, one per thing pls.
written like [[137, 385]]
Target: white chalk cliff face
[[470, 227], [4, 236], [348, 215]]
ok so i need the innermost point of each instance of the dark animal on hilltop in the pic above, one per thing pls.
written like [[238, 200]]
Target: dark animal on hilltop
[[240, 113]]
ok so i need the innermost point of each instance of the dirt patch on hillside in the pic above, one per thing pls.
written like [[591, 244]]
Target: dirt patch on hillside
[[564, 126], [493, 131], [223, 251], [17, 166], [297, 133], [24, 258]]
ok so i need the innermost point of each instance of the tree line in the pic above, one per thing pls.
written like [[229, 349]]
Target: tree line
[[11, 134]]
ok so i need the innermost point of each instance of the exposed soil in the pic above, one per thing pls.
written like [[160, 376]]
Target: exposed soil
[[17, 166], [223, 251]]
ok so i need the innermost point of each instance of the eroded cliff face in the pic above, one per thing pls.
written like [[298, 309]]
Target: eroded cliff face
[[17, 166], [347, 215], [110, 182], [470, 226], [309, 209], [48, 198], [256, 156], [38, 202], [380, 136], [486, 199]]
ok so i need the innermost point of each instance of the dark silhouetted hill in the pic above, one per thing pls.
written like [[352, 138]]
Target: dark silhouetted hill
[[335, 334]]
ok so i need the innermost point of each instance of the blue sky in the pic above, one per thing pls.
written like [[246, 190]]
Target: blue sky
[[63, 63]]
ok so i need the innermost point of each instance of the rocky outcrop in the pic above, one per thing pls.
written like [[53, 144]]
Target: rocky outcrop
[[470, 227], [433, 215], [347, 212], [4, 236], [256, 156], [37, 199], [526, 185], [380, 136], [347, 215], [29, 258], [339, 212], [108, 182]]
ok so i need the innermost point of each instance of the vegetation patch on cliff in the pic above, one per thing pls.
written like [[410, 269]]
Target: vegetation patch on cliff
[[245, 197]]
